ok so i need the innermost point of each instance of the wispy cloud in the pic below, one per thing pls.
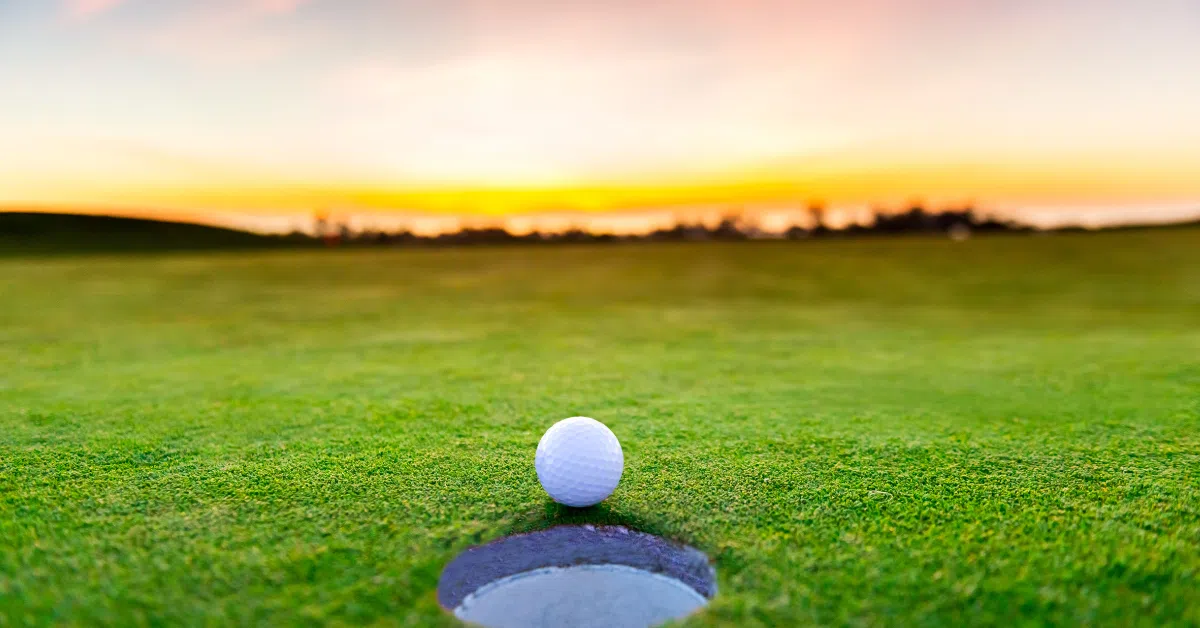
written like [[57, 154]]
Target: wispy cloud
[[81, 9], [87, 8], [276, 6], [213, 32]]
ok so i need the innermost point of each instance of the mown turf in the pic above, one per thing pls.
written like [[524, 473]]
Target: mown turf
[[914, 431]]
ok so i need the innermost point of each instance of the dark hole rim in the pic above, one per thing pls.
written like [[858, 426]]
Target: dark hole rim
[[570, 545]]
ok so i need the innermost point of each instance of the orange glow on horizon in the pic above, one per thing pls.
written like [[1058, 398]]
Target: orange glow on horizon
[[831, 183]]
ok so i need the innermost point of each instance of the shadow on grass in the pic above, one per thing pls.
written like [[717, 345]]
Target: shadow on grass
[[555, 514]]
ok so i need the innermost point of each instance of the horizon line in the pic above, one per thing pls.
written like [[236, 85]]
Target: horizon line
[[767, 217]]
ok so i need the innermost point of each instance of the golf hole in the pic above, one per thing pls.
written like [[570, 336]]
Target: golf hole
[[577, 576]]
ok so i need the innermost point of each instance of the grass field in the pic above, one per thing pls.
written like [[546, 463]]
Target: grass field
[[912, 431]]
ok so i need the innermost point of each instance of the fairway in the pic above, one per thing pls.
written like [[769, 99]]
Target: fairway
[[906, 431]]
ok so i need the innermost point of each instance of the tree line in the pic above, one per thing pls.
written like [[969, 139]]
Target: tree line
[[955, 223]]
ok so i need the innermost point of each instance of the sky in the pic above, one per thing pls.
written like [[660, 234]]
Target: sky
[[511, 106]]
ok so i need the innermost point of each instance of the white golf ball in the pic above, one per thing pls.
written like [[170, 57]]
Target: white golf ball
[[579, 461]]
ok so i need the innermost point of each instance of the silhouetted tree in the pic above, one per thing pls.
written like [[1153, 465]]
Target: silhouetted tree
[[796, 232], [955, 222], [727, 229]]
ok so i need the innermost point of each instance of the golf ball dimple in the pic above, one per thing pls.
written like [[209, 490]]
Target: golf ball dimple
[[579, 461]]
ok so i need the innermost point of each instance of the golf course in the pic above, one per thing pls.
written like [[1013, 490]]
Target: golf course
[[876, 431]]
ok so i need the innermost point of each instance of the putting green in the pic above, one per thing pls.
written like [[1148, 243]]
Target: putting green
[[906, 431]]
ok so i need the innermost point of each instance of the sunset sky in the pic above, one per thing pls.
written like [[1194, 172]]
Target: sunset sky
[[500, 106]]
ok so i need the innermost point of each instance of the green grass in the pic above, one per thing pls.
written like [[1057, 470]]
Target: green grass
[[910, 432]]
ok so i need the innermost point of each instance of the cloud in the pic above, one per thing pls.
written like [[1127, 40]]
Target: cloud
[[81, 9], [276, 6], [216, 32], [88, 8], [532, 117]]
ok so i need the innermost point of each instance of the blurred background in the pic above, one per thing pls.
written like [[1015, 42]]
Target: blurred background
[[401, 121]]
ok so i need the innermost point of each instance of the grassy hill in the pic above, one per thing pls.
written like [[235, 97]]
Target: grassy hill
[[33, 232]]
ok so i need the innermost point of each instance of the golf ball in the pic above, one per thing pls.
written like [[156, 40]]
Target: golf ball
[[579, 461]]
